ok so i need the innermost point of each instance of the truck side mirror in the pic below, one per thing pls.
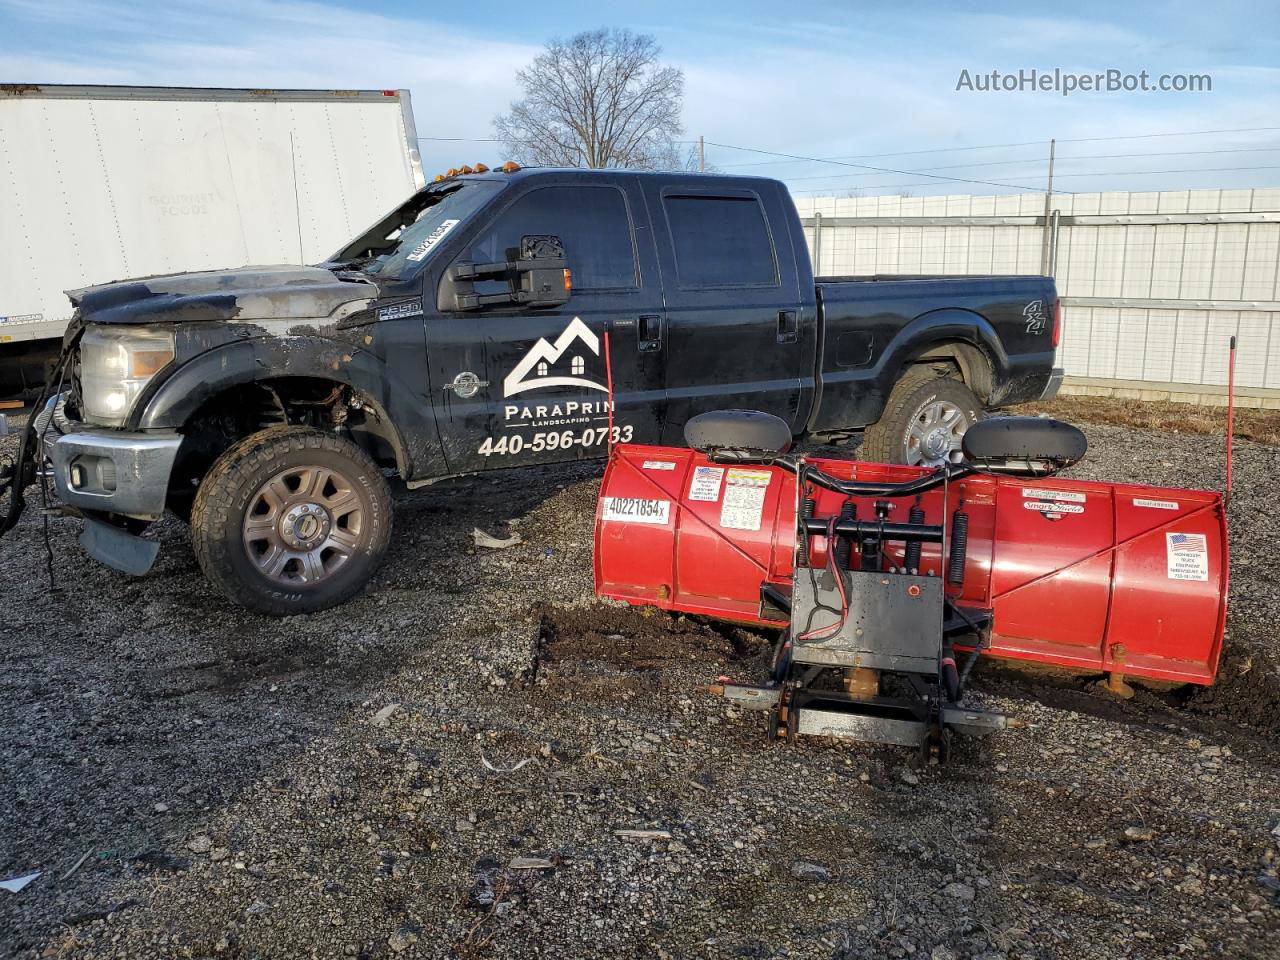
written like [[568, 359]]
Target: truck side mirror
[[537, 277], [545, 280]]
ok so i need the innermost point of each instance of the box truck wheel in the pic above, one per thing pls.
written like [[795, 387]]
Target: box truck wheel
[[922, 423], [291, 520]]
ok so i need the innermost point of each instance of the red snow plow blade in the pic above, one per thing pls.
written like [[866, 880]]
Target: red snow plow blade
[[1101, 577]]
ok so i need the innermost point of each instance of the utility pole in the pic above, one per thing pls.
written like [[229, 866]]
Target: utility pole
[[1045, 242], [702, 156]]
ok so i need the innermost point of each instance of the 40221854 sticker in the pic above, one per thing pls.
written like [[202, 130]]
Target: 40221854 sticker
[[636, 510]]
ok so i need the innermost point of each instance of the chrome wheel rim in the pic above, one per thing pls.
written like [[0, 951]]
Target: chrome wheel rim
[[303, 525], [934, 435]]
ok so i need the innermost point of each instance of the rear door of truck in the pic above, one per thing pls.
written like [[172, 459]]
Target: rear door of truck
[[740, 332]]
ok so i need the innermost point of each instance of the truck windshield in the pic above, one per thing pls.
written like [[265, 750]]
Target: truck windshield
[[398, 242]]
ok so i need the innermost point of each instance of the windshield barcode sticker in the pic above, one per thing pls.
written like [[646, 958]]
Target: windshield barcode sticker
[[431, 239], [636, 510]]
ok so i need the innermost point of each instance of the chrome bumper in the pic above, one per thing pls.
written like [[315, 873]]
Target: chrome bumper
[[111, 471], [1055, 382]]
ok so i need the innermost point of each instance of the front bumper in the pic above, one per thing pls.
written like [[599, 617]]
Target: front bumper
[[110, 471], [1055, 383]]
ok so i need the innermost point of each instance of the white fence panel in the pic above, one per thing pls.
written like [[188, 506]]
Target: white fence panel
[[1154, 285]]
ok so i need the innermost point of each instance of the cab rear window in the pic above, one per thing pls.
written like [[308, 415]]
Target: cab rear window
[[720, 241]]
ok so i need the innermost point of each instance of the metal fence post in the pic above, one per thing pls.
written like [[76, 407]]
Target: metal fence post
[[1048, 199], [817, 243]]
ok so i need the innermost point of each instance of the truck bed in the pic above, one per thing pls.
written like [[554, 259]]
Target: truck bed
[[871, 327]]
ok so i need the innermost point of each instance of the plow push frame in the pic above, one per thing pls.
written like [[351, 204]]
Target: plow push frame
[[888, 582]]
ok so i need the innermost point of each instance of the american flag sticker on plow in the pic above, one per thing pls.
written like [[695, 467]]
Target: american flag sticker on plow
[[1188, 555]]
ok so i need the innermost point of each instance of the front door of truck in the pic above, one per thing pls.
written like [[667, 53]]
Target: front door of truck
[[524, 386], [738, 332]]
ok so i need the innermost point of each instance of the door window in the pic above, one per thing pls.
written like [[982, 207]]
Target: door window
[[592, 222], [721, 241]]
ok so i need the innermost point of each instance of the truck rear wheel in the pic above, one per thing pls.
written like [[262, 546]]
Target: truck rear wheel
[[291, 520], [923, 422]]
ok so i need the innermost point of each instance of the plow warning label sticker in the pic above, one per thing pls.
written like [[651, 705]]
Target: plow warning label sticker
[[1156, 504], [744, 499], [1188, 556], [1065, 496], [636, 510], [706, 484]]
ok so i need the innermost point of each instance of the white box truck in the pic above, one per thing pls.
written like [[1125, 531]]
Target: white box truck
[[102, 183]]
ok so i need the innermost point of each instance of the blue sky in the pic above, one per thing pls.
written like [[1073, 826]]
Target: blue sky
[[834, 80]]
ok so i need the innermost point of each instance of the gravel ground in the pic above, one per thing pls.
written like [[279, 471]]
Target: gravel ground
[[439, 768]]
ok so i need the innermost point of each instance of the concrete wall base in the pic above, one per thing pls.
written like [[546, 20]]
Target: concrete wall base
[[1194, 393]]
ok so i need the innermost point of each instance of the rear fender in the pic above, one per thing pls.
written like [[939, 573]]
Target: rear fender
[[940, 326], [857, 398]]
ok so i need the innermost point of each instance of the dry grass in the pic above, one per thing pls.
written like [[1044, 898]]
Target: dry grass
[[1262, 426]]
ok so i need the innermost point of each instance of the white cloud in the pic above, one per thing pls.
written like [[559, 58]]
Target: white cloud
[[458, 80], [868, 85]]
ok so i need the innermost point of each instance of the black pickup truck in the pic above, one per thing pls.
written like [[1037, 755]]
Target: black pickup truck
[[496, 319]]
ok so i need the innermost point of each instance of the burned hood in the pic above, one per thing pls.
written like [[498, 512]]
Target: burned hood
[[246, 293]]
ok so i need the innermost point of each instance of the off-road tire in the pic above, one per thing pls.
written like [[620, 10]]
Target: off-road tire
[[886, 440], [233, 483]]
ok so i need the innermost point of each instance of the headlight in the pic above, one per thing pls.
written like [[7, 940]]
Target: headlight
[[116, 363]]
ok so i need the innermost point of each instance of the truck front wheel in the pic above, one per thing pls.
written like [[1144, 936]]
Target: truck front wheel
[[291, 520], [922, 423]]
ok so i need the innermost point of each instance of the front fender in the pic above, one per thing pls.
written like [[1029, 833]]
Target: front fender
[[172, 402]]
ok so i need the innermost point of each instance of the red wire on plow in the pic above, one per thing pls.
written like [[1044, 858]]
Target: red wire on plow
[[608, 379], [835, 572]]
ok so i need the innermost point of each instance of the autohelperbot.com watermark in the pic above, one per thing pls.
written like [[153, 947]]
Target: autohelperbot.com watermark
[[1065, 82]]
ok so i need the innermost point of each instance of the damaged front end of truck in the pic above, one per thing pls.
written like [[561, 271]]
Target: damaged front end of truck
[[110, 460]]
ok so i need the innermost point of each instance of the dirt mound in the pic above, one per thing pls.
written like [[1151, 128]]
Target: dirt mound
[[644, 638], [1247, 691]]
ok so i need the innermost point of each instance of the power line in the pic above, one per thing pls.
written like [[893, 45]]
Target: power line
[[1143, 173], [1100, 173], [864, 166], [872, 170], [1005, 163], [994, 146], [900, 153], [1148, 136]]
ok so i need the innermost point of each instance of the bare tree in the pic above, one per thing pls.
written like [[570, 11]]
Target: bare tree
[[598, 99]]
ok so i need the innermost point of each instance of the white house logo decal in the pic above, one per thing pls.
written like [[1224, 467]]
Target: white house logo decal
[[538, 367]]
